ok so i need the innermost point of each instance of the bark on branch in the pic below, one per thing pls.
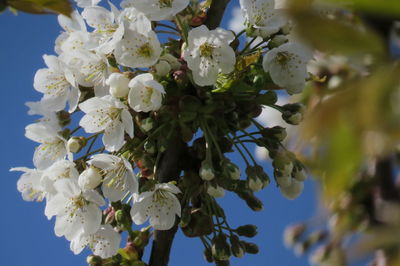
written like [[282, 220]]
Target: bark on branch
[[215, 13], [168, 170]]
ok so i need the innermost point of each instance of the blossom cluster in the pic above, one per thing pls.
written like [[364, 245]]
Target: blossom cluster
[[116, 75]]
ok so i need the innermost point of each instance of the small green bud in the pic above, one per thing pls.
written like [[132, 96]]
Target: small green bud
[[138, 241], [277, 132], [251, 200], [93, 260], [215, 191], [208, 255], [220, 248], [149, 147], [206, 171], [250, 248], [230, 170], [237, 247], [248, 230], [147, 124], [293, 113], [123, 219], [267, 98]]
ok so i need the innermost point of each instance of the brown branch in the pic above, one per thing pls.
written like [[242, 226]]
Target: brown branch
[[215, 13], [169, 169]]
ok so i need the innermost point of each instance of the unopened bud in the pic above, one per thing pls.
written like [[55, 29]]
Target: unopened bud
[[206, 171], [75, 144], [250, 248], [283, 181], [147, 124], [90, 178], [231, 170], [123, 219], [299, 174], [283, 164], [215, 191], [294, 190], [277, 132], [237, 247], [118, 85], [248, 230], [293, 113], [162, 68], [93, 260], [220, 248]]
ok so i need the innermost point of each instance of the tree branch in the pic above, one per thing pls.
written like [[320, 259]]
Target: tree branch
[[215, 13], [168, 170]]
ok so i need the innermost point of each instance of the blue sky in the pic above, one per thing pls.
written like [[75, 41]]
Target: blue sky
[[27, 237]]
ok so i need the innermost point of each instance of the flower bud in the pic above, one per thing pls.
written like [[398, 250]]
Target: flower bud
[[206, 171], [255, 184], [293, 113], [90, 178], [257, 179], [220, 248], [293, 233], [222, 263], [277, 132], [283, 181], [93, 260], [75, 144], [208, 255], [252, 201], [248, 230], [172, 61], [250, 248], [118, 85], [282, 164], [147, 124], [237, 247], [215, 191], [277, 41], [231, 170], [149, 147], [299, 174], [292, 191], [123, 219], [162, 68]]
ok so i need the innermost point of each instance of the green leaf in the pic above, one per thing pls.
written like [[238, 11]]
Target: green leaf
[[42, 6], [388, 7], [335, 36]]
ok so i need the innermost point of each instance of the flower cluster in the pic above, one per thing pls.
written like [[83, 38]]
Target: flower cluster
[[116, 75]]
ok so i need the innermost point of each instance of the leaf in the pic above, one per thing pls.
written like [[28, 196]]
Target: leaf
[[388, 7], [42, 6]]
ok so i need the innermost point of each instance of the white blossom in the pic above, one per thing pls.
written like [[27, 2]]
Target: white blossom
[[208, 54], [77, 212], [118, 85], [55, 82], [145, 93], [215, 191], [139, 47], [293, 190], [29, 184], [109, 115], [118, 176], [287, 66], [160, 206], [157, 10], [104, 243], [90, 178], [52, 145], [262, 16], [62, 169]]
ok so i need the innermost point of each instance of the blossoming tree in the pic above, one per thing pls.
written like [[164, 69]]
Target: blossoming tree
[[170, 93]]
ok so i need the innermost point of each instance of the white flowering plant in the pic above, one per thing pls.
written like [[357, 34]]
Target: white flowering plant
[[170, 96]]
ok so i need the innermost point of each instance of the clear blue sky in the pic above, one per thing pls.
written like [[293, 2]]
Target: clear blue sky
[[27, 237]]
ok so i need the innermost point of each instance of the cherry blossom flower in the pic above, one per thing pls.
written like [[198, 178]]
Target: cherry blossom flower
[[52, 145], [55, 83], [109, 115], [146, 94], [157, 10], [29, 184], [118, 85], [208, 53], [287, 66], [77, 212], [160, 206], [104, 243], [118, 176], [261, 15]]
